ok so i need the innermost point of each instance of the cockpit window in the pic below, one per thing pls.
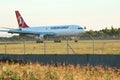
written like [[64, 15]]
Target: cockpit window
[[80, 28]]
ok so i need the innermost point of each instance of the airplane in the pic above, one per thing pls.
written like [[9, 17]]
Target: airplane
[[41, 32]]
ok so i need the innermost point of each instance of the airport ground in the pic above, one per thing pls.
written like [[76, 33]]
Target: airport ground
[[36, 71], [49, 47]]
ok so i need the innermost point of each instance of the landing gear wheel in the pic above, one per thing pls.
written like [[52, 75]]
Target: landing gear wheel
[[39, 41], [76, 41], [57, 41]]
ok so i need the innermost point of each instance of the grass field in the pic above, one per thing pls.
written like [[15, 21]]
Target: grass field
[[50, 72], [81, 47]]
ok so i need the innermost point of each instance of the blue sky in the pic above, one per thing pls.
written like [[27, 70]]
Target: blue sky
[[94, 14]]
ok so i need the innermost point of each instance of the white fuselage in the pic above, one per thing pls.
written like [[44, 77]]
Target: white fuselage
[[67, 30]]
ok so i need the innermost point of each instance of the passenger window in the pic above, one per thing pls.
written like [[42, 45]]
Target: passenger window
[[80, 28]]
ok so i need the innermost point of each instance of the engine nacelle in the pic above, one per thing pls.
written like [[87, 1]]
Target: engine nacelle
[[40, 38]]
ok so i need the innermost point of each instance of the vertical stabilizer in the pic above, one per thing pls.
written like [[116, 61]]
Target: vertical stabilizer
[[21, 22]]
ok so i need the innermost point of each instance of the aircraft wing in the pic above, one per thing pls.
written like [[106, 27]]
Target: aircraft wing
[[19, 31]]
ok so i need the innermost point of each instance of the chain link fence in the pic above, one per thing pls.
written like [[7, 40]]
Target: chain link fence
[[65, 47]]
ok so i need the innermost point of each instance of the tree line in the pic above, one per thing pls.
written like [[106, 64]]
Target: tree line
[[113, 33]]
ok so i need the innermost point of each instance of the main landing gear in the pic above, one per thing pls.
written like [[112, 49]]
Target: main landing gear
[[39, 41], [57, 41]]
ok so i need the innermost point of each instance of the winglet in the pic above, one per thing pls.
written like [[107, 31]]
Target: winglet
[[20, 20]]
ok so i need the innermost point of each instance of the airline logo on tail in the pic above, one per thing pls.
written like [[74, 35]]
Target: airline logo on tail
[[21, 22]]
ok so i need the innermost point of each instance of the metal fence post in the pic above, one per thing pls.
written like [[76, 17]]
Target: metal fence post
[[24, 47], [5, 48], [93, 44], [44, 46], [67, 46]]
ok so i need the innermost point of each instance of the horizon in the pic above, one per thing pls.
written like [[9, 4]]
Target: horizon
[[94, 14]]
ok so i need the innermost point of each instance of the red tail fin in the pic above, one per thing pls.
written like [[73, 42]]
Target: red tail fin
[[21, 22]]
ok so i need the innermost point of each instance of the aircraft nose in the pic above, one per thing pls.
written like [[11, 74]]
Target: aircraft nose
[[85, 27]]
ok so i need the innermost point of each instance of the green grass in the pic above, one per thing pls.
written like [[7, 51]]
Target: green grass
[[81, 47]]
